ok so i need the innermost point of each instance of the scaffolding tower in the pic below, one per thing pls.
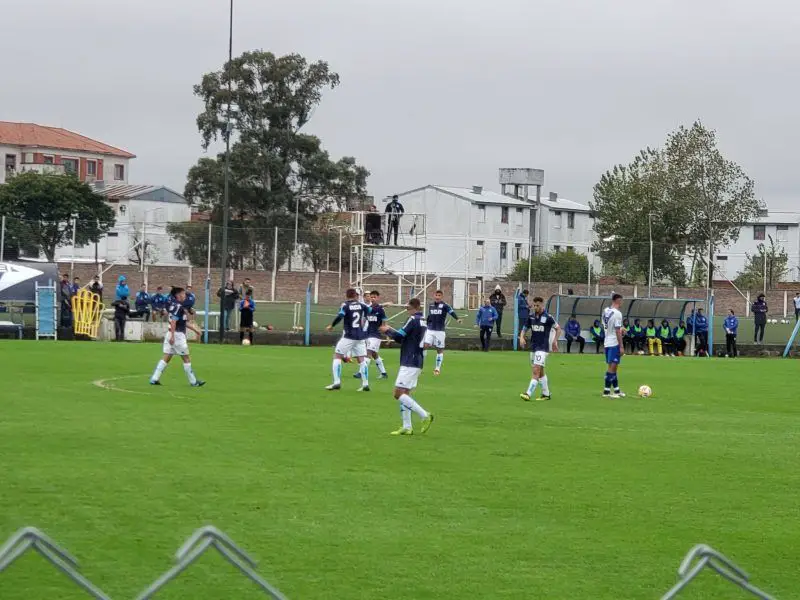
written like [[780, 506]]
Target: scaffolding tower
[[372, 254]]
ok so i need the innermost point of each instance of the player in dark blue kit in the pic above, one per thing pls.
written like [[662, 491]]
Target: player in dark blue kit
[[353, 341], [540, 325], [438, 312], [175, 341], [411, 336], [374, 321]]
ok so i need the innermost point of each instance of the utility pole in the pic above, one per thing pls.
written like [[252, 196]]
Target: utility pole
[[226, 204]]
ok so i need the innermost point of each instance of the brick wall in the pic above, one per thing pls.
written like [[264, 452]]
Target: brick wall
[[291, 286]]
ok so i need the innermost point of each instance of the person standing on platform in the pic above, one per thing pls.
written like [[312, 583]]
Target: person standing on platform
[[122, 309], [394, 211], [122, 288], [796, 306], [97, 287], [485, 319]]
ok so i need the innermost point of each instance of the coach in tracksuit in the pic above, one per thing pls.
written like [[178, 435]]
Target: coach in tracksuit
[[573, 334], [523, 310], [485, 319], [731, 329]]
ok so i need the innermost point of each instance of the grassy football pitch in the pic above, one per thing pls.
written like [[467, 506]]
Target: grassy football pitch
[[579, 497]]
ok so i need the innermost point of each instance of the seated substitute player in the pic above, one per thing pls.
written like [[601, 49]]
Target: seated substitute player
[[410, 336], [247, 306], [612, 323], [374, 321], [540, 324], [653, 343], [353, 340], [438, 312], [175, 341]]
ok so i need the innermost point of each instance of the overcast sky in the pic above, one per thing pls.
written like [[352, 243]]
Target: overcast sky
[[433, 91]]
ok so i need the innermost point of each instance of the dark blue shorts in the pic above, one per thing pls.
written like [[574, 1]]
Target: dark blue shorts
[[612, 356]]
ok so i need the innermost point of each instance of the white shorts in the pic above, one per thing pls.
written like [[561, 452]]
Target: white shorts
[[538, 358], [434, 338], [407, 377], [180, 347], [348, 347], [374, 345]]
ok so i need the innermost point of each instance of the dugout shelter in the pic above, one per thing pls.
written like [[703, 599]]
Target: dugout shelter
[[589, 308]]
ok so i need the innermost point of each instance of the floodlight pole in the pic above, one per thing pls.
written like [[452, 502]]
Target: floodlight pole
[[72, 261], [226, 205], [2, 238]]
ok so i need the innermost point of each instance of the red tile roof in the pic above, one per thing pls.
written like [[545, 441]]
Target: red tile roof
[[32, 135]]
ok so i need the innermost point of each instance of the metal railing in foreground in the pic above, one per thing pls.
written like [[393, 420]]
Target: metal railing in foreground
[[30, 538]]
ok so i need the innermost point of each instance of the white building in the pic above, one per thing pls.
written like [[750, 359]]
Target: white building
[[477, 233], [784, 229], [142, 212], [30, 147]]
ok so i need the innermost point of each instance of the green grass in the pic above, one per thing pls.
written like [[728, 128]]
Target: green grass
[[577, 498]]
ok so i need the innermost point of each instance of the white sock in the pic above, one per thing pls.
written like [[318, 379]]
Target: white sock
[[187, 368], [532, 386], [159, 370], [412, 405], [337, 371], [364, 368], [439, 361], [366, 361], [406, 415], [379, 364], [545, 386]]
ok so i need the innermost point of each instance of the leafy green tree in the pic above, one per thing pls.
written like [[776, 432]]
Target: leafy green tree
[[687, 193], [276, 171], [776, 259], [565, 267], [40, 210]]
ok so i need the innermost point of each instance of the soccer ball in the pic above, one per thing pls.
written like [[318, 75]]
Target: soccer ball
[[645, 391], [245, 342]]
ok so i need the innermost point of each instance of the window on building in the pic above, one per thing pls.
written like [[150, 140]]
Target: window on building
[[782, 233], [570, 220], [722, 258], [556, 248], [112, 234], [481, 213], [504, 214], [519, 217], [570, 248], [479, 250], [91, 168], [11, 163], [517, 251], [119, 172], [49, 159], [503, 251], [557, 219], [70, 165], [759, 232]]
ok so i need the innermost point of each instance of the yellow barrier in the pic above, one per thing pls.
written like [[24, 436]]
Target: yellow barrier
[[87, 309]]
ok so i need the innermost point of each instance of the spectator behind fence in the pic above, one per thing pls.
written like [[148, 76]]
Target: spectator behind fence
[[229, 296], [731, 329], [66, 301], [142, 303], [244, 288], [189, 300], [760, 311], [498, 300], [679, 338], [523, 310], [122, 288], [701, 331], [76, 286], [796, 306], [97, 287], [572, 332], [122, 309], [159, 301], [485, 319]]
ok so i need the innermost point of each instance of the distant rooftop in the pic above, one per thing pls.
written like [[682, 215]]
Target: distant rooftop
[[479, 195], [130, 191], [31, 135]]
